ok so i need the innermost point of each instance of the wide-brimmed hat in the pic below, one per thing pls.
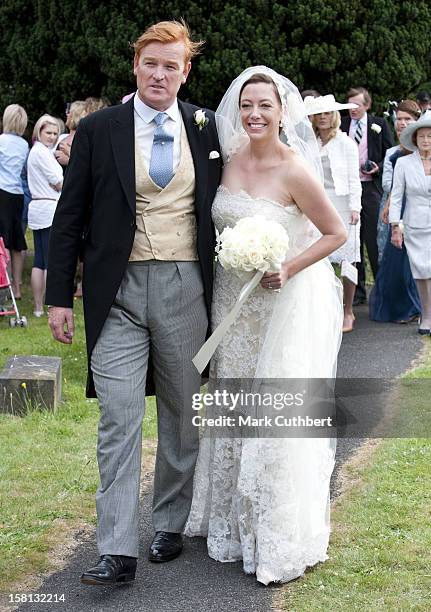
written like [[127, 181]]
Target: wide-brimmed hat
[[406, 137], [325, 104]]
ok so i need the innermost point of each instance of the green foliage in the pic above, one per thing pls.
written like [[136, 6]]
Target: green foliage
[[55, 51]]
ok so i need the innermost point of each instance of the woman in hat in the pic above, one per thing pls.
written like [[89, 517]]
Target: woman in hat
[[339, 156], [412, 178], [394, 297]]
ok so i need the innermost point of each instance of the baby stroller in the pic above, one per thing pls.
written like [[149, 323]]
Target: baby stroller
[[6, 290]]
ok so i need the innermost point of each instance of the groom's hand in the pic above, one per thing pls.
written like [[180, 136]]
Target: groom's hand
[[60, 321]]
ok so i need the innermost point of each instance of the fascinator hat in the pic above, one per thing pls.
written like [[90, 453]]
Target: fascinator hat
[[296, 130], [325, 104], [406, 137]]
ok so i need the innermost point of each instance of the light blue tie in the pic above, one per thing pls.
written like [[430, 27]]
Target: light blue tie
[[162, 153]]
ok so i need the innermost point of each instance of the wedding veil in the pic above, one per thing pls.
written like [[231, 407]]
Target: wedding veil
[[296, 130]]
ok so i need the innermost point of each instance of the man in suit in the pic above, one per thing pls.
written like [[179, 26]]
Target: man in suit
[[373, 138], [423, 98], [139, 188]]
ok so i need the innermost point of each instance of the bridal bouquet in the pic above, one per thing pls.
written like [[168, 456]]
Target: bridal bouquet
[[254, 244]]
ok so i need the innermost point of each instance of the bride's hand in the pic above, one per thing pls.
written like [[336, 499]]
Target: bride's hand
[[275, 280]]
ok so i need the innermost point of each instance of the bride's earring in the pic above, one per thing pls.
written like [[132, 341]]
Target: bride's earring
[[280, 127]]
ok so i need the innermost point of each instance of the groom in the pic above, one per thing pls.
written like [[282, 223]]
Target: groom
[[139, 188]]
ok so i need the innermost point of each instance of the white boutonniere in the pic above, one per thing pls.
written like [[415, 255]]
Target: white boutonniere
[[214, 155], [200, 119], [376, 128]]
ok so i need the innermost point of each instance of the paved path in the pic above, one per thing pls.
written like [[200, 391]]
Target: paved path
[[194, 582]]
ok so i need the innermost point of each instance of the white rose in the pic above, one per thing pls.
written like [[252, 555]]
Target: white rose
[[255, 243], [376, 128], [228, 258], [200, 119], [256, 259]]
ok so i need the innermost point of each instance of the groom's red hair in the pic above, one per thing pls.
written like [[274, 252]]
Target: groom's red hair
[[167, 32]]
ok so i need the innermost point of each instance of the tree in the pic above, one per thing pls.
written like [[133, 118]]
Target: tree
[[54, 51]]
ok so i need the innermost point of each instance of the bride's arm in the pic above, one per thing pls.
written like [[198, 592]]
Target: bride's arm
[[309, 195]]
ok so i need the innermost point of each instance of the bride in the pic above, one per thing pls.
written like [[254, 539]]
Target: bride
[[266, 500]]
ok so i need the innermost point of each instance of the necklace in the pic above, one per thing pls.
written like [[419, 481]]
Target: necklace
[[425, 158]]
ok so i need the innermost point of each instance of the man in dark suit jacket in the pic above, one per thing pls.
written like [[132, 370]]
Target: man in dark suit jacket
[[139, 188], [373, 137]]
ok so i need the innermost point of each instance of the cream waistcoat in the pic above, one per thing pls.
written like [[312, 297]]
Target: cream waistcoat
[[165, 218]]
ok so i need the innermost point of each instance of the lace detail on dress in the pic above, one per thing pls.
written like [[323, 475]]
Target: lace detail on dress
[[266, 500]]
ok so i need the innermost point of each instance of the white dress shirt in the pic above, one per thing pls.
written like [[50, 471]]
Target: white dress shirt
[[145, 128], [43, 170]]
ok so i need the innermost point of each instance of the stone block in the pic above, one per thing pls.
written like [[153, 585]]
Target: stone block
[[30, 382]]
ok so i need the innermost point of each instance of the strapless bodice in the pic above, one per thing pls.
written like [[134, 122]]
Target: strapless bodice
[[228, 208]]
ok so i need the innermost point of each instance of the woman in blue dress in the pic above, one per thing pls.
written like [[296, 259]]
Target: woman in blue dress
[[394, 297]]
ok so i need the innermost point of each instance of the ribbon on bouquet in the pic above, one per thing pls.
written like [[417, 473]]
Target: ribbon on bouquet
[[201, 359]]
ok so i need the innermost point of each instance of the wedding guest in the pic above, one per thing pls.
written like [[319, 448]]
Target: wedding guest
[[93, 104], [412, 177], [13, 153], [340, 162], [45, 179], [73, 116], [373, 137], [310, 92], [394, 296], [407, 111], [423, 98], [27, 197], [61, 126], [127, 97]]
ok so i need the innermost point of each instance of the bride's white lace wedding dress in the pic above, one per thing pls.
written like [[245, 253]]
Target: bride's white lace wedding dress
[[266, 500]]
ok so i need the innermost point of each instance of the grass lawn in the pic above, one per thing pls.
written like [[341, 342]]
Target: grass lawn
[[380, 548], [48, 470]]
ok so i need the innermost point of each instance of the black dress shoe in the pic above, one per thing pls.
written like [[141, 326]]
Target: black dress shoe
[[165, 546], [111, 569], [424, 332]]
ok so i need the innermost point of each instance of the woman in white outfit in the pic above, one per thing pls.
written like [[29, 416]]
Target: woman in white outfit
[[266, 500], [339, 155], [412, 177], [45, 180]]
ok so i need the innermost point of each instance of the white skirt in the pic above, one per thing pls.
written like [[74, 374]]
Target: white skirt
[[418, 245], [350, 250]]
